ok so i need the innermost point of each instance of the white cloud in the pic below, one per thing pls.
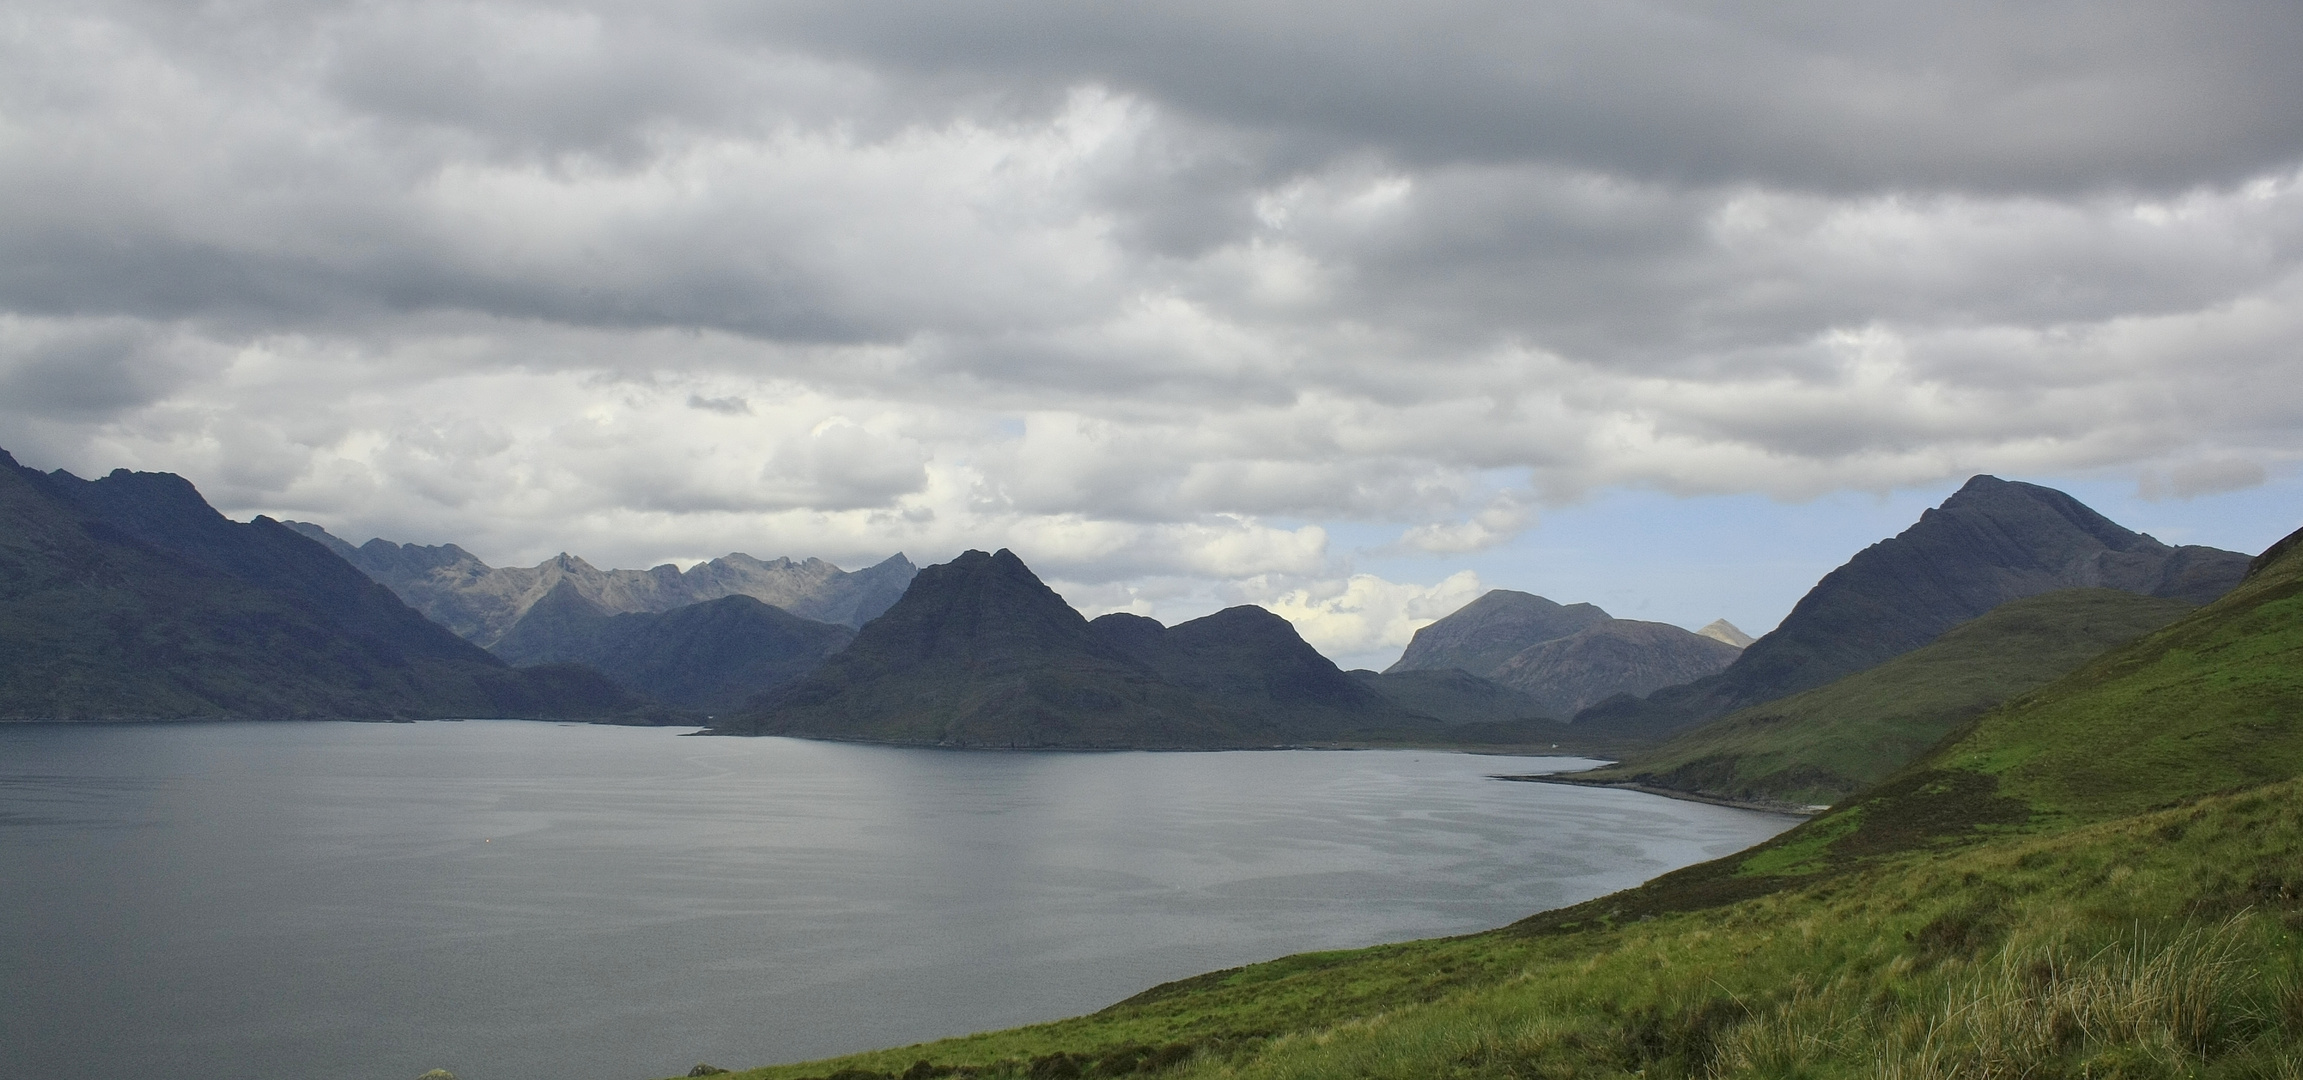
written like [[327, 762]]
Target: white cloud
[[1364, 620], [1505, 517]]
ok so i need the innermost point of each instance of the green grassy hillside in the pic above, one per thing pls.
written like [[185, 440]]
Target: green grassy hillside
[[1820, 746], [2103, 877]]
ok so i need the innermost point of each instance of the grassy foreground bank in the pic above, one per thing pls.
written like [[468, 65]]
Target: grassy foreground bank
[[2101, 878]]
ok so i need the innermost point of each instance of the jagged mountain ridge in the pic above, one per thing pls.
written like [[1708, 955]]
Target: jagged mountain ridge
[[1992, 541], [980, 652], [482, 603], [130, 598], [712, 656]]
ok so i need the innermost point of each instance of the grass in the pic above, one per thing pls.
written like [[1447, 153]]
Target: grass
[[1818, 747], [2021, 902]]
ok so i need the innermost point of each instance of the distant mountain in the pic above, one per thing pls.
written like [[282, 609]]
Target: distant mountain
[[1990, 542], [1560, 657], [130, 598], [1723, 631], [1821, 745], [1483, 634], [481, 603], [711, 657], [1454, 696], [1252, 662], [979, 652], [1618, 656]]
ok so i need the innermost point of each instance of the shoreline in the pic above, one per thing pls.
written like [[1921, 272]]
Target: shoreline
[[1785, 809]]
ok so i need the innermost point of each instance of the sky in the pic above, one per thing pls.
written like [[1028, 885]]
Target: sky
[[1352, 310]]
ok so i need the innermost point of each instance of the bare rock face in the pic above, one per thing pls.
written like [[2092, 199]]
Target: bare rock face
[[1619, 656], [1723, 631], [482, 603]]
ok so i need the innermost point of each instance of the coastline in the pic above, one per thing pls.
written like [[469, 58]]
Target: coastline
[[1786, 809]]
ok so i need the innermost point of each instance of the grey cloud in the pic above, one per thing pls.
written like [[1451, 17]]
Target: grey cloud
[[730, 406], [677, 271], [88, 371], [2192, 479], [1817, 95]]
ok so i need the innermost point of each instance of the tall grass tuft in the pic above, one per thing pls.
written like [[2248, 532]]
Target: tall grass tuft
[[2164, 1003]]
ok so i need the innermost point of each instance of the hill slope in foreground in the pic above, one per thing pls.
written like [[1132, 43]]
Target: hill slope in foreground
[[2103, 877], [1825, 744]]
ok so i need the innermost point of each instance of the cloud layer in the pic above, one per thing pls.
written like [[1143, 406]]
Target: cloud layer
[[1151, 293]]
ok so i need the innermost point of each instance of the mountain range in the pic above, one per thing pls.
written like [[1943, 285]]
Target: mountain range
[[129, 598], [980, 652], [482, 603]]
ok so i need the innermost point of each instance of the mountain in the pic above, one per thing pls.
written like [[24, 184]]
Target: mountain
[[1992, 541], [1724, 631], [711, 657], [1821, 745], [1252, 662], [1454, 696], [1483, 634], [130, 598], [2097, 878], [1617, 656], [979, 652], [481, 603], [1561, 657]]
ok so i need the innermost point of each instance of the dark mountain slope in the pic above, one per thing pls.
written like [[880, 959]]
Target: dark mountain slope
[[166, 512], [1990, 542], [1252, 662], [1617, 656], [130, 598], [1454, 696], [713, 656], [1821, 745], [979, 652], [1483, 634]]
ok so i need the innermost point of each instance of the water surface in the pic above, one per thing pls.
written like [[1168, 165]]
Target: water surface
[[522, 901]]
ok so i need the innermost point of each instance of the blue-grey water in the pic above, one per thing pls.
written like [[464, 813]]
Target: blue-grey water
[[521, 901]]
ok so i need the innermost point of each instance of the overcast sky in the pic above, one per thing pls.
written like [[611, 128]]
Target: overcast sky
[[1349, 309]]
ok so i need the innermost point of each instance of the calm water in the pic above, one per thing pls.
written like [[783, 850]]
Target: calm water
[[519, 901]]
